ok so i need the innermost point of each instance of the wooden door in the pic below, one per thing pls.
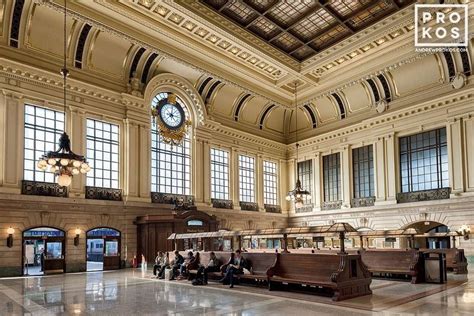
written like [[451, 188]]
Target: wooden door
[[111, 253]]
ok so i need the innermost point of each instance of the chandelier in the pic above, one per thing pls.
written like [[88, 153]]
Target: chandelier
[[298, 194], [63, 162]]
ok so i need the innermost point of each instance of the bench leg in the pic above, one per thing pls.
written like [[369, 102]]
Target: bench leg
[[273, 286]]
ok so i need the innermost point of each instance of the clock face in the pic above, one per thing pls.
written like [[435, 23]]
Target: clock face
[[172, 115]]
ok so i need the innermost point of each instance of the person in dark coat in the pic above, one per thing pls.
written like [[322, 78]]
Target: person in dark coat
[[178, 261], [235, 266]]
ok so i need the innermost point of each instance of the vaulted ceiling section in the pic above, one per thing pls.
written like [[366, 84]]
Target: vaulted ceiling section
[[338, 88]]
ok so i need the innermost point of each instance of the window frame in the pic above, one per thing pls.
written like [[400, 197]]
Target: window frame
[[160, 153], [364, 163], [306, 178], [223, 181], [274, 183], [247, 178], [92, 160], [332, 192], [47, 145], [442, 158]]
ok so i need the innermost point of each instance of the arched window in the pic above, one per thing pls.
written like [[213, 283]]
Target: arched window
[[170, 165]]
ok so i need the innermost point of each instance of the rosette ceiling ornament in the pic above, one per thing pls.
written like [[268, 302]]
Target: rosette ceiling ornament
[[63, 162], [171, 119]]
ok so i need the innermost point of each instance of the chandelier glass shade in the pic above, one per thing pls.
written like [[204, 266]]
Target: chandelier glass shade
[[63, 162], [299, 195]]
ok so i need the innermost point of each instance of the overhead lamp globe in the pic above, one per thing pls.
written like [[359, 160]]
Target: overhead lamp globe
[[64, 180]]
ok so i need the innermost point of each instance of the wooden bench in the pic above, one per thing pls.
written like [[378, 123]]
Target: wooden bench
[[455, 259], [408, 262], [344, 275]]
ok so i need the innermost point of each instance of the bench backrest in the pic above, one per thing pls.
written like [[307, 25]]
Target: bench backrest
[[453, 255], [390, 259], [260, 262], [307, 266]]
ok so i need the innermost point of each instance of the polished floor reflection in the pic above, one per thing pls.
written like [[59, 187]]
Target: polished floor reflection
[[135, 292]]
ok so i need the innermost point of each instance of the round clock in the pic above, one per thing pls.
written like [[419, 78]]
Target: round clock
[[171, 114]]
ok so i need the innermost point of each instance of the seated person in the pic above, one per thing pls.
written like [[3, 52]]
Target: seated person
[[157, 265], [235, 266], [177, 262], [212, 266], [163, 264], [183, 268]]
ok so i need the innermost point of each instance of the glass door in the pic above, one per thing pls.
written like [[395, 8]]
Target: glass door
[[53, 256], [111, 254]]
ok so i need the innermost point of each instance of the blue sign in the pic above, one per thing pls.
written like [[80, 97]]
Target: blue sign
[[43, 233], [100, 232]]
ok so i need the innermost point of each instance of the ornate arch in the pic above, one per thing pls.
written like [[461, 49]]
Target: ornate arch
[[168, 82]]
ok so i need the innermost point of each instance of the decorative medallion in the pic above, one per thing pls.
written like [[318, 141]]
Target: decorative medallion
[[171, 119]]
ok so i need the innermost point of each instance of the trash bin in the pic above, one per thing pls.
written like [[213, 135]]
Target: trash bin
[[435, 267]]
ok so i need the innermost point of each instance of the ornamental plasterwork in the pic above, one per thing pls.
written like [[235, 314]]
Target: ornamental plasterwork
[[104, 28], [209, 35]]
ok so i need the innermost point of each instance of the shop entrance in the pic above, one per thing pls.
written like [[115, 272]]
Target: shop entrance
[[103, 249], [43, 251]]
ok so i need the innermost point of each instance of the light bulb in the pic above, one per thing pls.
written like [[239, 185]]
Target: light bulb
[[64, 162], [288, 198], [51, 161], [83, 171], [75, 171], [43, 162], [308, 197], [39, 165], [53, 169], [77, 231], [298, 195], [84, 165], [10, 231], [76, 163], [64, 180]]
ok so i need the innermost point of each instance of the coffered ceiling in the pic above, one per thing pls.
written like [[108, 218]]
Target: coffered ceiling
[[303, 28]]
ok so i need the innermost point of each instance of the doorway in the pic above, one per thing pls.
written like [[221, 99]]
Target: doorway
[[103, 249], [43, 251]]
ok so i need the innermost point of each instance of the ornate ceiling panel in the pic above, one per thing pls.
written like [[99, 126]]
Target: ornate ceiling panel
[[303, 28]]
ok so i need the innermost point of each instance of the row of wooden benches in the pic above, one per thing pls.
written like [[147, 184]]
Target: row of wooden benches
[[345, 275], [455, 259]]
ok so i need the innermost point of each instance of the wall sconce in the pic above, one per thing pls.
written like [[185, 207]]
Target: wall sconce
[[76, 239], [464, 230], [10, 232]]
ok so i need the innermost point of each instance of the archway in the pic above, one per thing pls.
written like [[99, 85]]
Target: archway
[[43, 251], [426, 227], [103, 249]]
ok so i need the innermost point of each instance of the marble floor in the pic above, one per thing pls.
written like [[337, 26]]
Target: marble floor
[[135, 292]]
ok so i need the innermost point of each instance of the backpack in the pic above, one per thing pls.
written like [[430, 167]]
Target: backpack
[[198, 281]]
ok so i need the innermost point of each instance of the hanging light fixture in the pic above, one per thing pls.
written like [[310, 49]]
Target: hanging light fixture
[[63, 162], [298, 194]]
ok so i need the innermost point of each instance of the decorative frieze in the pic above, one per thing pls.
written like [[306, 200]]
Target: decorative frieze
[[218, 203], [43, 189], [108, 194], [333, 205], [426, 195], [270, 208], [249, 206], [167, 198], [363, 202]]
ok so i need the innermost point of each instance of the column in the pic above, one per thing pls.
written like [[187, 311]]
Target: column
[[76, 124], [259, 182], [144, 159], [284, 175], [455, 156], [346, 176], [391, 158], [11, 140], [468, 128], [130, 169], [234, 178], [317, 191], [206, 177]]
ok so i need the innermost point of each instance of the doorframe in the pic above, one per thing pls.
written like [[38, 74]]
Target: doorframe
[[104, 238], [45, 238]]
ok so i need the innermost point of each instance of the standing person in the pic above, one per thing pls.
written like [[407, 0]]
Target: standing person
[[42, 260], [178, 261], [212, 266], [235, 266]]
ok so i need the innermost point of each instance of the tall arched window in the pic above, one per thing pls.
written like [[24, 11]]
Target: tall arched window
[[170, 165]]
